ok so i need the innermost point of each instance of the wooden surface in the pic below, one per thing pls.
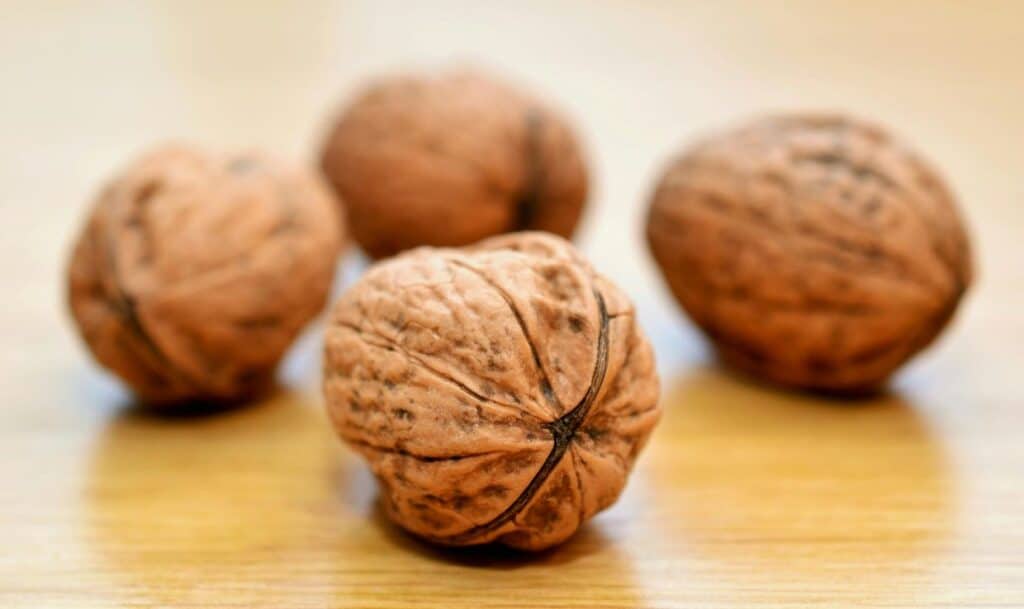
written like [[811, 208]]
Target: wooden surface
[[745, 496]]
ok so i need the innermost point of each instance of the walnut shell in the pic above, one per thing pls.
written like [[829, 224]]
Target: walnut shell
[[194, 273], [814, 251], [452, 158], [499, 392]]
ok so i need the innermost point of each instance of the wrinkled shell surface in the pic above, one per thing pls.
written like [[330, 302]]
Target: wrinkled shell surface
[[450, 159], [814, 251], [193, 273], [499, 393]]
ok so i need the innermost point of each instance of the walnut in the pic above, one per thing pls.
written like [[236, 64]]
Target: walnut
[[814, 251], [194, 273], [451, 158], [499, 392]]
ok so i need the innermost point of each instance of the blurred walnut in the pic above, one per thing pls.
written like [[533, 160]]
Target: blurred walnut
[[195, 273], [450, 159], [815, 251], [500, 392]]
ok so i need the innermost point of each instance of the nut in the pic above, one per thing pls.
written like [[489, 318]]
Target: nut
[[194, 273], [499, 392], [452, 158], [814, 251]]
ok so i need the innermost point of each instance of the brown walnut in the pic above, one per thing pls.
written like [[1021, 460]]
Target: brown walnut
[[499, 392], [194, 273], [452, 158], [814, 251]]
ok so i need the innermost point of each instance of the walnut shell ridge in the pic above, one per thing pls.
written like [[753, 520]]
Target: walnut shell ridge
[[499, 392], [450, 158], [814, 251], [194, 273]]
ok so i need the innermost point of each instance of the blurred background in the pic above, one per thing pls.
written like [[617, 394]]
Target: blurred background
[[723, 509], [88, 86]]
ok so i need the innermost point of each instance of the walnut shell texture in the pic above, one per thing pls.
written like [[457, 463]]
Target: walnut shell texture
[[815, 251], [499, 392], [450, 158], [194, 273]]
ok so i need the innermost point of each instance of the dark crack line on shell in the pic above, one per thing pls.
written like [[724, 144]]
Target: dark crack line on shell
[[562, 431], [125, 307], [545, 383], [390, 345], [528, 200], [418, 457], [615, 390]]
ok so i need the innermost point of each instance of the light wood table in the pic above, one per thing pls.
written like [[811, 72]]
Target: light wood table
[[746, 496]]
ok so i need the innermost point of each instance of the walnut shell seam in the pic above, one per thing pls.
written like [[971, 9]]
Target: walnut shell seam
[[500, 393], [562, 431]]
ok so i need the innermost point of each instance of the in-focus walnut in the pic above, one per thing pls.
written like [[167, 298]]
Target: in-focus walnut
[[814, 251], [452, 158], [499, 392], [194, 273]]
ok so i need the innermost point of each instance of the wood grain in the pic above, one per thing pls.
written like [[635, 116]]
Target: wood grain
[[746, 496]]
